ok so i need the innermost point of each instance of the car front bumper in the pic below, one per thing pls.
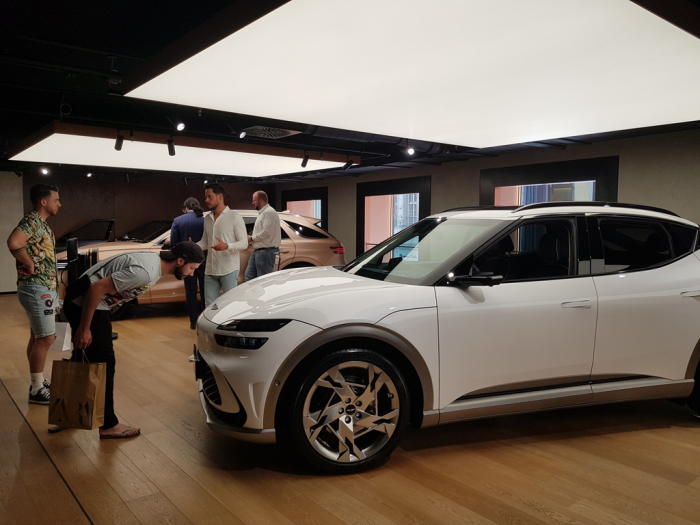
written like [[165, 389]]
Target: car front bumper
[[235, 383]]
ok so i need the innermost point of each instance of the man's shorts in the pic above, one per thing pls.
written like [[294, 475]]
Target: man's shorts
[[39, 302]]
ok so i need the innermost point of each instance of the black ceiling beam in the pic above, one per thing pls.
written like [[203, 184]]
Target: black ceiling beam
[[681, 13], [226, 22]]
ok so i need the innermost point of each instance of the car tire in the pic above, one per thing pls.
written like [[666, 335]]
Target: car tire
[[346, 413], [122, 312]]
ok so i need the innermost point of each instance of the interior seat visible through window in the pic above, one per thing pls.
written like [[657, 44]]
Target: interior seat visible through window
[[497, 257], [553, 254]]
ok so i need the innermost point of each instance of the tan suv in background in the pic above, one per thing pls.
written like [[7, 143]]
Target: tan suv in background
[[303, 244]]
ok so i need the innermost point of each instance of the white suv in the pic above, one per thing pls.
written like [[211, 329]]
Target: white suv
[[466, 314]]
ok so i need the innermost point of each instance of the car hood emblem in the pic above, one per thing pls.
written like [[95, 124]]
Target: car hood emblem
[[214, 307]]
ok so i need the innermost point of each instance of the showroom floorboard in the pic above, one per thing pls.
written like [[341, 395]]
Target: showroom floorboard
[[636, 463]]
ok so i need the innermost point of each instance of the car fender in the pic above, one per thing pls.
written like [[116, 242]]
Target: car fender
[[336, 333]]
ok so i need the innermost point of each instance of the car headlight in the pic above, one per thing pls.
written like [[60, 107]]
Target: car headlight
[[244, 342], [254, 325]]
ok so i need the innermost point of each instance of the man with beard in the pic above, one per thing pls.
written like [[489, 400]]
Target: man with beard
[[32, 244], [265, 239], [104, 287], [224, 237]]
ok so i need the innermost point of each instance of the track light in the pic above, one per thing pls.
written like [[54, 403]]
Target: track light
[[206, 181], [176, 122], [347, 165], [184, 179], [44, 171], [305, 161], [171, 147], [236, 130], [89, 174], [410, 151], [120, 141], [127, 177]]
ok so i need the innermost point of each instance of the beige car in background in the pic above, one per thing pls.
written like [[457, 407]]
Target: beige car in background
[[303, 244]]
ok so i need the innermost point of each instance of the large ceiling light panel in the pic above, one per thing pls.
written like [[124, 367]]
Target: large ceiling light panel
[[90, 146], [468, 72]]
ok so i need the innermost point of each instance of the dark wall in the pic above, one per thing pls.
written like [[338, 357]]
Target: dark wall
[[131, 204]]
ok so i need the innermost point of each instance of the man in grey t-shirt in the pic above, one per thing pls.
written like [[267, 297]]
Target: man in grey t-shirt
[[104, 287]]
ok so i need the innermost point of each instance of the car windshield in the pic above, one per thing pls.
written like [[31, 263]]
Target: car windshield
[[414, 253], [148, 232], [97, 230]]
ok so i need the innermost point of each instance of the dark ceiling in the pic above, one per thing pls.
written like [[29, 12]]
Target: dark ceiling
[[72, 61]]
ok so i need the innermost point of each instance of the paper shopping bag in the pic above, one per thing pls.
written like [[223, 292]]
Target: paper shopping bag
[[63, 338], [77, 394]]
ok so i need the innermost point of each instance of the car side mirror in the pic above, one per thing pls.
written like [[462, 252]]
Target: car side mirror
[[479, 279]]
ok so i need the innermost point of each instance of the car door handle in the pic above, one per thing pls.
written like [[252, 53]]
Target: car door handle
[[576, 304], [284, 251], [692, 293]]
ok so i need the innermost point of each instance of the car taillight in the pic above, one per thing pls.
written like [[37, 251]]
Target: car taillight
[[340, 250]]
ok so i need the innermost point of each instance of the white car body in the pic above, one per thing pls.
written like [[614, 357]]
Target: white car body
[[595, 335]]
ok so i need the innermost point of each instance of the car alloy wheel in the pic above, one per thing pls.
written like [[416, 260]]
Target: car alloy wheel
[[350, 411]]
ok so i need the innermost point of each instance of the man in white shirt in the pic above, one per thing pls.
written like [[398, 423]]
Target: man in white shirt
[[224, 236], [265, 239]]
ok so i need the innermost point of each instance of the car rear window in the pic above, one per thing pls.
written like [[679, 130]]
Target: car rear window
[[305, 231]]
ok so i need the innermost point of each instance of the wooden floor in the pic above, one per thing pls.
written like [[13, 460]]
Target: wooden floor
[[630, 463]]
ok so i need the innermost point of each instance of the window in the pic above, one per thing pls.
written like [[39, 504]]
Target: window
[[387, 215], [250, 224], [305, 231], [535, 250], [552, 192], [682, 237], [307, 208], [634, 244]]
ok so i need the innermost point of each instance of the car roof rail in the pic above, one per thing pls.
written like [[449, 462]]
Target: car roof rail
[[601, 204], [476, 208]]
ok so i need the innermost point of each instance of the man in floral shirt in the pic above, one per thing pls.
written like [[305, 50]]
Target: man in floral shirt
[[32, 244]]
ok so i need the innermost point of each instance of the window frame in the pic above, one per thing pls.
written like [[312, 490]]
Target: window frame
[[575, 246]]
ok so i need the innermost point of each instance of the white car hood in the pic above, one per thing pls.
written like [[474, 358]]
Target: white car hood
[[320, 296]]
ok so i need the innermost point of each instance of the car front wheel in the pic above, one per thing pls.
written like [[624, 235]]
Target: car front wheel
[[348, 412]]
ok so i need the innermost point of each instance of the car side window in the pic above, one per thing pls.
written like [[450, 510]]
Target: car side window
[[249, 224], [633, 244], [683, 238], [535, 250]]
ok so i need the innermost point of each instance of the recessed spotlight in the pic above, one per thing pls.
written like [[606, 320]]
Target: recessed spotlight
[[44, 171], [206, 181], [89, 174], [410, 151]]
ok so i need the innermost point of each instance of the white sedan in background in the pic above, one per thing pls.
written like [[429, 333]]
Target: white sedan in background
[[466, 314]]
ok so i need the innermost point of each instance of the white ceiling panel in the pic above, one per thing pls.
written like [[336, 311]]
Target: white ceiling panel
[[97, 151], [466, 72]]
